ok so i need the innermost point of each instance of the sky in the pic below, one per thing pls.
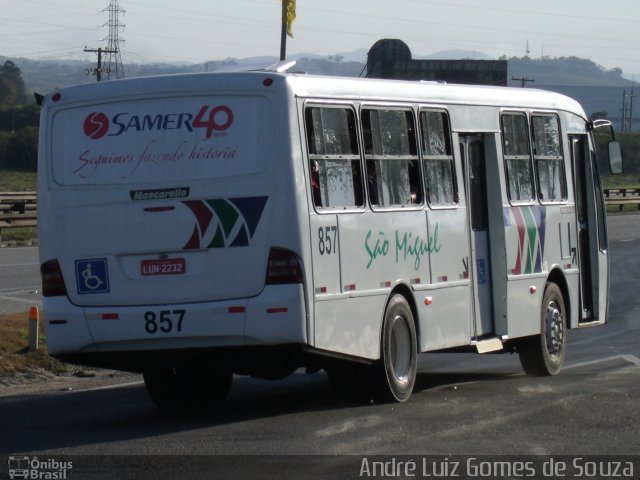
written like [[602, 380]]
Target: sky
[[605, 31]]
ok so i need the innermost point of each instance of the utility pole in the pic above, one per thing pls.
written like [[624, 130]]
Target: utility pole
[[288, 16], [624, 110], [113, 60], [97, 71], [283, 33], [524, 80], [631, 97]]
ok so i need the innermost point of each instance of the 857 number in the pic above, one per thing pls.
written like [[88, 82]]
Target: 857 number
[[327, 239], [165, 321]]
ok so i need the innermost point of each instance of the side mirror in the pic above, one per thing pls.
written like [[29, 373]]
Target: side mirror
[[615, 158]]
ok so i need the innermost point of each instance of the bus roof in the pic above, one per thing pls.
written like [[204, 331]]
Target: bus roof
[[326, 87], [430, 92]]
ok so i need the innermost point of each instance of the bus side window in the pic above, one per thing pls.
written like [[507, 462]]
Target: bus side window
[[517, 155], [391, 157], [438, 158], [332, 145], [547, 154]]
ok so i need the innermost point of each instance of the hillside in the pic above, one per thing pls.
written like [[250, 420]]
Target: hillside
[[597, 89], [566, 71], [44, 76]]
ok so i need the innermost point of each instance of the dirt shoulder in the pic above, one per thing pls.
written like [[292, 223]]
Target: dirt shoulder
[[35, 381], [23, 372]]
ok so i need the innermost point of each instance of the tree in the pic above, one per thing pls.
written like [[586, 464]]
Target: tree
[[12, 89]]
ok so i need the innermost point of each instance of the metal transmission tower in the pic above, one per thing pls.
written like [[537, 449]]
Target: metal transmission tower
[[113, 61]]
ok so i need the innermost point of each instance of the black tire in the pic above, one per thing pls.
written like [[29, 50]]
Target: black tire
[[175, 385], [395, 373], [544, 354]]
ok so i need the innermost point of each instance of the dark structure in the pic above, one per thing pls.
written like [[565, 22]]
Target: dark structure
[[392, 59]]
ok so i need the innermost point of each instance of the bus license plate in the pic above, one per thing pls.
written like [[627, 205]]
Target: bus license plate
[[169, 266]]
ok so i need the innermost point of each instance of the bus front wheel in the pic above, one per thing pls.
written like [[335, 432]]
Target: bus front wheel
[[544, 354], [396, 371]]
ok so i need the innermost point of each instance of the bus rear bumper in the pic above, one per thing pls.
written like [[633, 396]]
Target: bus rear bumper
[[275, 317]]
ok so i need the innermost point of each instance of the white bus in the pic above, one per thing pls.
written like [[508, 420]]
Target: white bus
[[194, 227]]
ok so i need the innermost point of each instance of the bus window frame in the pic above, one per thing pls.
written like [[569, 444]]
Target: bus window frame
[[451, 158], [534, 193], [538, 158], [365, 157], [309, 157]]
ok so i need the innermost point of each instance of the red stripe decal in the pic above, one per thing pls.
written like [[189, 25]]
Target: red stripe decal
[[277, 310], [159, 209], [517, 215]]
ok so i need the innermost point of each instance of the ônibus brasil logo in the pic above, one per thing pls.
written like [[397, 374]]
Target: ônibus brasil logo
[[214, 120]]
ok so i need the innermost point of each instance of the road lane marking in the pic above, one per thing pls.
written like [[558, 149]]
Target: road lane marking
[[627, 358], [110, 387], [4, 265], [21, 300], [27, 288]]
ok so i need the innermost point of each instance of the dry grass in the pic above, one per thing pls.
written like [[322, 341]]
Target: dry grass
[[14, 181], [14, 346]]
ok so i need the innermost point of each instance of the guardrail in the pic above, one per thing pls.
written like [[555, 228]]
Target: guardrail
[[18, 209], [622, 197]]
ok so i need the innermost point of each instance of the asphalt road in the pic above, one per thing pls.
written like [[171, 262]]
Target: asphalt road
[[462, 404]]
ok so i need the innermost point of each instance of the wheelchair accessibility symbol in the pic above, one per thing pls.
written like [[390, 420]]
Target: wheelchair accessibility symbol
[[92, 276]]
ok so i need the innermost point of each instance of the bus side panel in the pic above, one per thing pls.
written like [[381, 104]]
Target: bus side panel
[[524, 234], [350, 325], [447, 321], [536, 238], [523, 307]]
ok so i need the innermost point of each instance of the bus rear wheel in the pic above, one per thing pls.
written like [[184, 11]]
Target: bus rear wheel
[[175, 385], [544, 354], [395, 373]]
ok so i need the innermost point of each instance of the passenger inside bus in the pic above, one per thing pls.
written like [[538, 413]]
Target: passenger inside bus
[[372, 182], [315, 183]]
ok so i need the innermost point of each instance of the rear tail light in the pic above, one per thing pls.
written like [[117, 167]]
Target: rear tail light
[[284, 267], [52, 281]]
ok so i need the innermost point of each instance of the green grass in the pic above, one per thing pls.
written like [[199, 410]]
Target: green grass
[[621, 181], [18, 234], [615, 209], [15, 181]]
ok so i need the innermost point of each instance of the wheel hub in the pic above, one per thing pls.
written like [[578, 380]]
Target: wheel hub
[[400, 349], [555, 329]]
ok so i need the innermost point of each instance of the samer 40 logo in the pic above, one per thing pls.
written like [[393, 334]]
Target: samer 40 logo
[[213, 119]]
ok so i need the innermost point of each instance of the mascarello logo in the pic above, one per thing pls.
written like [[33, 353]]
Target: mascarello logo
[[96, 125]]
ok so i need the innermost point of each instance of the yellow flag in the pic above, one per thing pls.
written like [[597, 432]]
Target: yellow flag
[[290, 14]]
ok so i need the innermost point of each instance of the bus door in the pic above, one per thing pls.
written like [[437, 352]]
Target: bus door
[[473, 161], [592, 242]]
